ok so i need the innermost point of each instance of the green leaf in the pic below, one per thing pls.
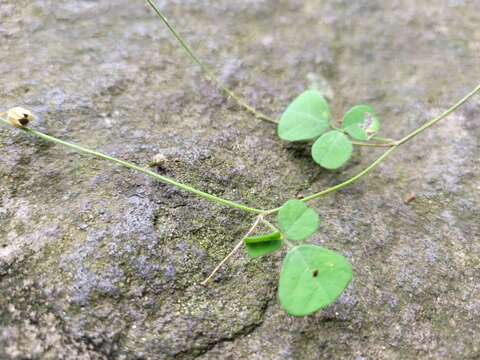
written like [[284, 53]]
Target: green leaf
[[332, 150], [312, 278], [297, 220], [263, 238], [307, 117], [257, 246], [361, 122]]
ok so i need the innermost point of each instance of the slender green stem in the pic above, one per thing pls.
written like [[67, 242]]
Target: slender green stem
[[353, 178], [382, 139], [359, 143], [383, 142], [163, 179], [388, 152], [439, 117], [343, 184], [206, 70]]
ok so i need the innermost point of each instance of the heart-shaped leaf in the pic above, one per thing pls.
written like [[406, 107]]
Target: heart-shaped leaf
[[306, 118], [312, 278], [361, 122], [297, 220], [332, 150], [261, 245]]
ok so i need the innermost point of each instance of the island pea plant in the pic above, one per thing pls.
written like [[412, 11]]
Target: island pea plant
[[311, 277], [308, 117]]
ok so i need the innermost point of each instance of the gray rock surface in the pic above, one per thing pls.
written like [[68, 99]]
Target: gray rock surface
[[98, 262]]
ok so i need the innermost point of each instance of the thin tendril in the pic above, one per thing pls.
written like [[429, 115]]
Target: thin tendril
[[206, 70]]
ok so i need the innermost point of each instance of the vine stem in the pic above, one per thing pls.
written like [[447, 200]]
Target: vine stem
[[230, 254], [388, 152], [206, 70], [382, 141], [129, 165], [359, 143]]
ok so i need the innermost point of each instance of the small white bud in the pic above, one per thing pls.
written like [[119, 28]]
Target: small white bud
[[19, 117]]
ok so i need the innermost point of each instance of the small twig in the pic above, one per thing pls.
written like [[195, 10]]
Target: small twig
[[220, 264]]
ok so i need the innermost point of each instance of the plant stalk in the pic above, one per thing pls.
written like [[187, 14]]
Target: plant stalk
[[360, 143], [128, 165], [206, 70]]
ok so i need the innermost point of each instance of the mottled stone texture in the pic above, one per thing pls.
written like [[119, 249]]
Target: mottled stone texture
[[98, 262]]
